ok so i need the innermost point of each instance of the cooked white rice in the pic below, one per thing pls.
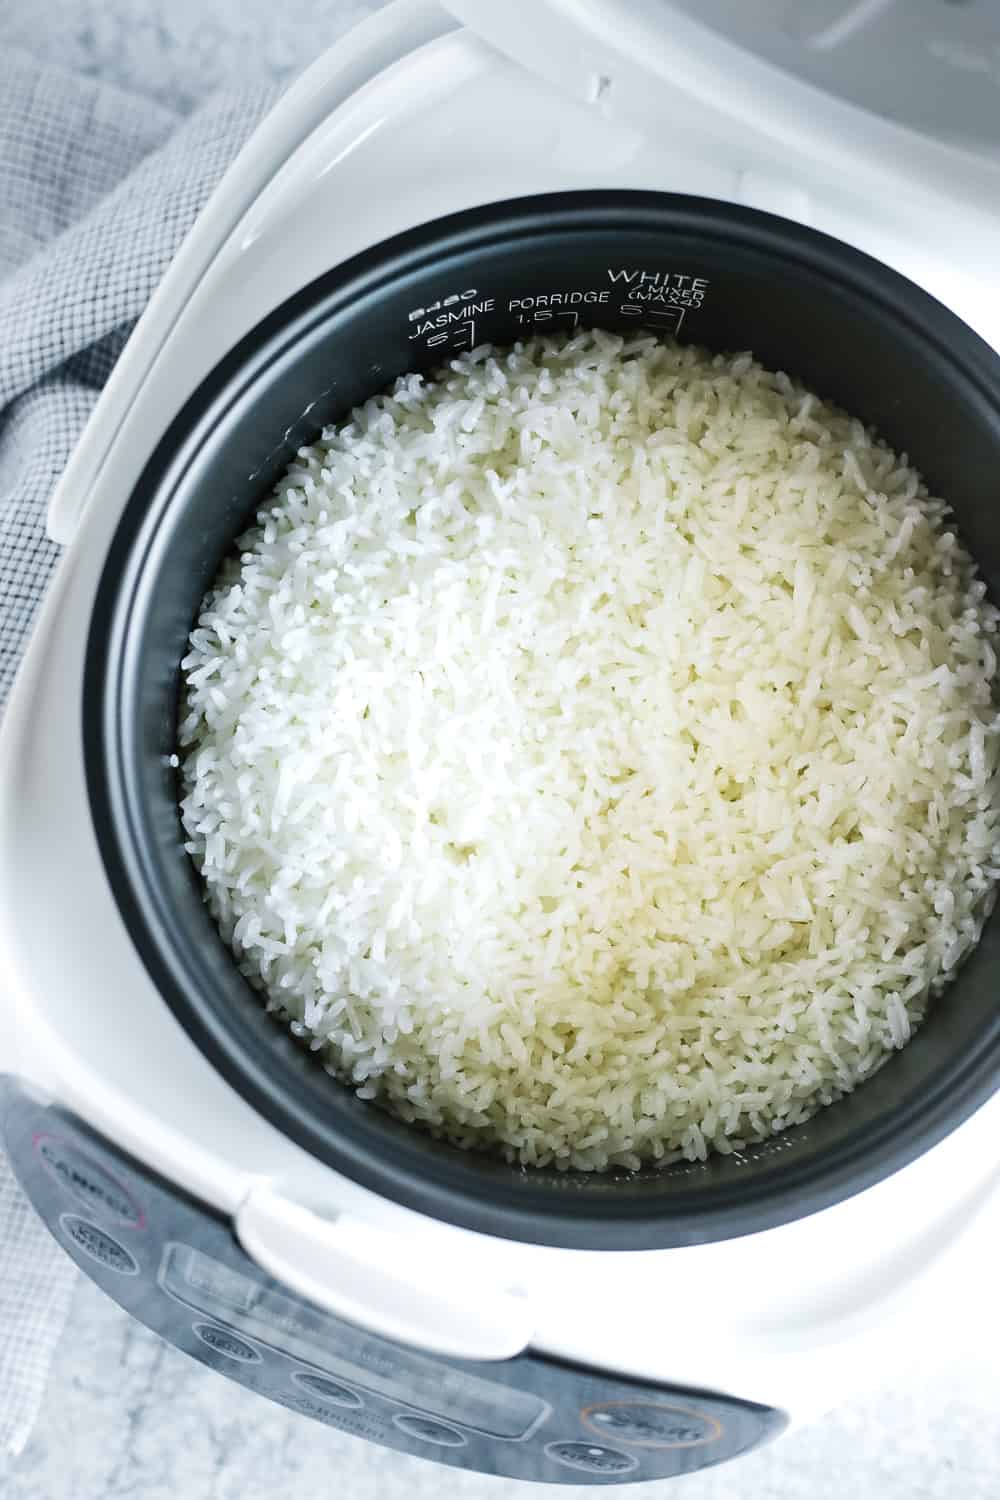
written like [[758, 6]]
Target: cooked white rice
[[591, 751]]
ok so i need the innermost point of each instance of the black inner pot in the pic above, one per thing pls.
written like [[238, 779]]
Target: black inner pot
[[851, 329]]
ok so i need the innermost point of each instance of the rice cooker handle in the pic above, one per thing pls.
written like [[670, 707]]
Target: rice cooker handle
[[353, 1269]]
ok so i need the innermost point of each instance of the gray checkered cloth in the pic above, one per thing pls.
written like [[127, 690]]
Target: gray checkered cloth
[[97, 189]]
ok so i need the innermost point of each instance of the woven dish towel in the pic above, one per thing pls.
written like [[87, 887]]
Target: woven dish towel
[[97, 189]]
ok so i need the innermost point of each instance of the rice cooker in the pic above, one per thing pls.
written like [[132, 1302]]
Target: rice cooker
[[818, 182]]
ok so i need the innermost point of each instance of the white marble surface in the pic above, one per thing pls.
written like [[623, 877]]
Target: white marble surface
[[177, 51], [127, 1418]]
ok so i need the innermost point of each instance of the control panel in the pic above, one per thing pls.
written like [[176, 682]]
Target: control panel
[[174, 1264]]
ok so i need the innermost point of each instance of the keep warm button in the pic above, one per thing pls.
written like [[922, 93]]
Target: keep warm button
[[649, 1424], [98, 1245]]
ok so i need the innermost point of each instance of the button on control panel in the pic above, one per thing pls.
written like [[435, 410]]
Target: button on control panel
[[652, 1424], [427, 1431], [98, 1246], [592, 1458], [223, 1341]]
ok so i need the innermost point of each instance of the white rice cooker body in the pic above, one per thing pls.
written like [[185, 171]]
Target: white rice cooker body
[[411, 117]]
